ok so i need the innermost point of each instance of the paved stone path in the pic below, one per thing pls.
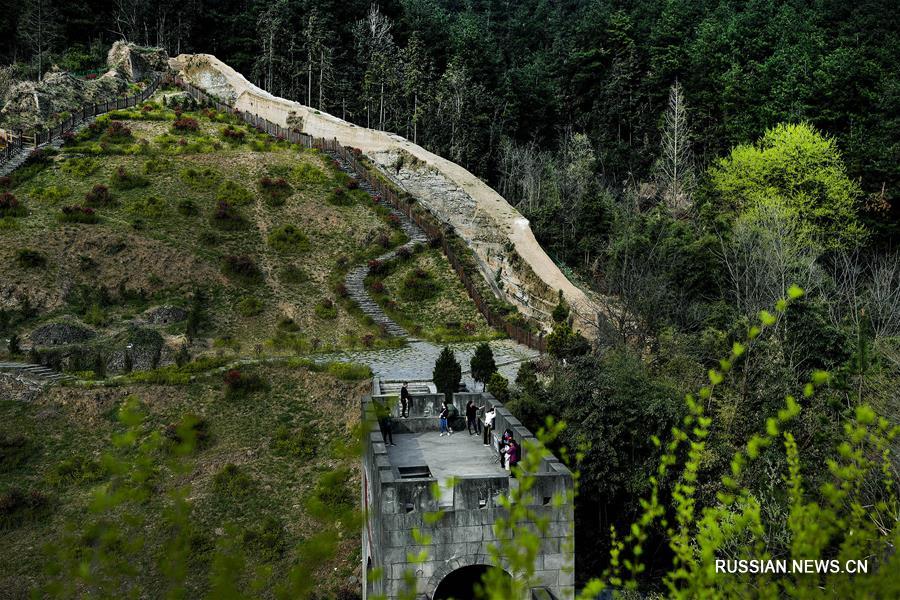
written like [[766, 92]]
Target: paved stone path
[[355, 280], [415, 361]]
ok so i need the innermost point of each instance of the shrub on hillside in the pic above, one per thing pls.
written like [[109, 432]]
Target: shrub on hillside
[[18, 507], [419, 285], [5, 182], [249, 306], [326, 309], [288, 238], [240, 385], [98, 196], [151, 207], [81, 167], [185, 125], [157, 165], [30, 259], [232, 482], [117, 132], [123, 180], [200, 178], [191, 434], [187, 207], [275, 191], [298, 443], [267, 542], [307, 173], [10, 206], [230, 134], [233, 193], [77, 469], [340, 197], [79, 214], [227, 217], [346, 371], [376, 267], [242, 267]]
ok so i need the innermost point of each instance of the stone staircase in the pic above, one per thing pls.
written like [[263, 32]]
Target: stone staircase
[[355, 280], [33, 376]]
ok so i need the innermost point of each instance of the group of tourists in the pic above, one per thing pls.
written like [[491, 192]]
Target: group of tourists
[[507, 446]]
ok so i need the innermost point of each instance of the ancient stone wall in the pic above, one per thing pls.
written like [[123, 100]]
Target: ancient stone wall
[[500, 237]]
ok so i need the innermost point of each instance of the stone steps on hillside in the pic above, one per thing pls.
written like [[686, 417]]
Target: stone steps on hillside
[[355, 279]]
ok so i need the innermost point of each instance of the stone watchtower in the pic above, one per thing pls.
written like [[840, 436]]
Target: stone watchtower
[[398, 490]]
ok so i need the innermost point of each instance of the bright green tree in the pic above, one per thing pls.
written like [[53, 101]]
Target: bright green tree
[[799, 172]]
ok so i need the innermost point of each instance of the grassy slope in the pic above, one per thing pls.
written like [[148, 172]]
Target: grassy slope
[[72, 422], [449, 315], [173, 253]]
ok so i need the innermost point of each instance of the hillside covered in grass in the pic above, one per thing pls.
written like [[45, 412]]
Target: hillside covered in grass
[[237, 464], [165, 232]]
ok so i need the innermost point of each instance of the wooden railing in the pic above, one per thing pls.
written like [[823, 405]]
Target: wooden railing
[[433, 230], [19, 141]]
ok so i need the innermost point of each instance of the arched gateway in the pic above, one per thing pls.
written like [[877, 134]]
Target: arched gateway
[[404, 483]]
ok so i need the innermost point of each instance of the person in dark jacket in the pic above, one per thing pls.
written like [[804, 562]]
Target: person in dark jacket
[[445, 412], [385, 423], [472, 417], [404, 400]]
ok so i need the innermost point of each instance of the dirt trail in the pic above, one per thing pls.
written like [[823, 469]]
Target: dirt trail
[[208, 72]]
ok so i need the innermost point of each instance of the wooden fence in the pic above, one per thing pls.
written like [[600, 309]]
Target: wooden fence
[[434, 231], [19, 141]]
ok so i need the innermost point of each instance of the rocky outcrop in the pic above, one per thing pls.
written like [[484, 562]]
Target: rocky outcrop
[[531, 276], [136, 62], [29, 104], [18, 388], [60, 334], [165, 315]]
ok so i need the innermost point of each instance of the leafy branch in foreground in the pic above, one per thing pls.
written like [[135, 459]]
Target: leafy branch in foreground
[[853, 517]]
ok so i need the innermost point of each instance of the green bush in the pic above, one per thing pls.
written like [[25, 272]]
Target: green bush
[[239, 385], [275, 191], [249, 306], [346, 371], [123, 180], [10, 206], [419, 285], [287, 239], [18, 507], [228, 217], [326, 309], [50, 194], [266, 542], [332, 495], [298, 443], [78, 469], [98, 196], [81, 167], [30, 259], [242, 268], [309, 174], [187, 208], [339, 196], [200, 179], [157, 165], [233, 193], [151, 207], [189, 435], [232, 482], [79, 214]]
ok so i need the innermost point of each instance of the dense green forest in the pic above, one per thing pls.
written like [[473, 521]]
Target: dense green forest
[[688, 159]]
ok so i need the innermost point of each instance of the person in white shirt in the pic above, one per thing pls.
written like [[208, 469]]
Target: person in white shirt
[[488, 425]]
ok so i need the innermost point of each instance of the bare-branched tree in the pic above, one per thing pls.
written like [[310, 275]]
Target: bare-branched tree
[[675, 167]]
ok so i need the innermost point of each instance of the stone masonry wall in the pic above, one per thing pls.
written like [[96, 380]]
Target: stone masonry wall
[[397, 507]]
